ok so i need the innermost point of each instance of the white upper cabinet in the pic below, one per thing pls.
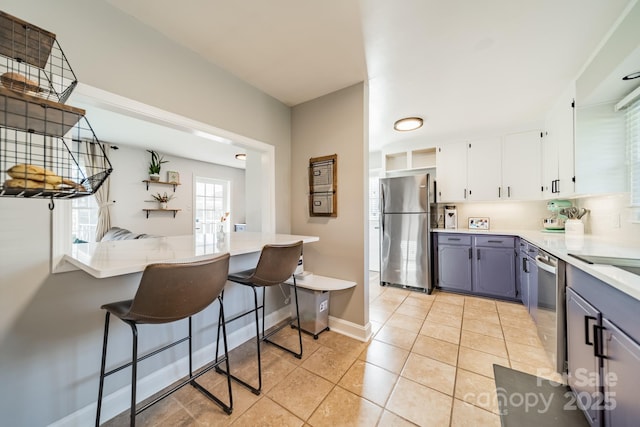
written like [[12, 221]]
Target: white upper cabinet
[[600, 150], [521, 166], [484, 169], [451, 167], [559, 147]]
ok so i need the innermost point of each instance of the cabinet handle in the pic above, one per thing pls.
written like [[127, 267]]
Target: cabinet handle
[[586, 329], [494, 241], [509, 191], [453, 239], [499, 192], [525, 265], [478, 253], [598, 343], [465, 193], [470, 253]]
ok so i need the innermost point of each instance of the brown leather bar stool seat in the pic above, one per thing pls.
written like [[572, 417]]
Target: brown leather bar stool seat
[[276, 264], [167, 293]]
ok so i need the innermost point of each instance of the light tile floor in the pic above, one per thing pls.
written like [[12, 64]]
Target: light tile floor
[[429, 363]]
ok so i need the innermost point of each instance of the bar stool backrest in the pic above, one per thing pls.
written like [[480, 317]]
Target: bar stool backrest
[[276, 264], [169, 292]]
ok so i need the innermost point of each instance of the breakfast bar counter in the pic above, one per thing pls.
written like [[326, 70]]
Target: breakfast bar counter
[[119, 257]]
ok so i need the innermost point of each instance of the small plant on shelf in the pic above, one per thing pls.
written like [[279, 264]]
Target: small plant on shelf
[[163, 199], [154, 166]]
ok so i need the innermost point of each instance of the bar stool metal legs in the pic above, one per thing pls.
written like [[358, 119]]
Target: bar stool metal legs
[[167, 293], [261, 336]]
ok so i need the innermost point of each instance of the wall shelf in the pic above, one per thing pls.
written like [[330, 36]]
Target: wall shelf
[[162, 210], [148, 181]]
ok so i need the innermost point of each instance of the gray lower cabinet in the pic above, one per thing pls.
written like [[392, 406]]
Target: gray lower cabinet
[[583, 365], [603, 350], [495, 267], [455, 267], [528, 272], [483, 265]]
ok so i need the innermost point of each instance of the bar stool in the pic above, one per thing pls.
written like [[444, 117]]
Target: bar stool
[[276, 264], [167, 293]]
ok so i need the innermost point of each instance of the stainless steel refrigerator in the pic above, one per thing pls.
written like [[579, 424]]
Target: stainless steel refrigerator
[[405, 234]]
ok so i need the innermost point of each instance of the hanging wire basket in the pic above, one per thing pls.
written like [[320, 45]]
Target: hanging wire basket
[[32, 62], [48, 150]]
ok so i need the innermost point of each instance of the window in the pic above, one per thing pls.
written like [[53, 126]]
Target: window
[[212, 203], [84, 217], [633, 141]]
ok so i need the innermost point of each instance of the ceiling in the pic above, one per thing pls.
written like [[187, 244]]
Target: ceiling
[[466, 66]]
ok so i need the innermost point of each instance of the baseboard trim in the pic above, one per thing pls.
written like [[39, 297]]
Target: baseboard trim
[[118, 401], [350, 329]]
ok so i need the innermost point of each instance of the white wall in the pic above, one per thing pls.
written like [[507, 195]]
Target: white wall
[[131, 196], [51, 325]]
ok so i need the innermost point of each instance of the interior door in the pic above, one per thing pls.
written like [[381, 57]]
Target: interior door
[[212, 205]]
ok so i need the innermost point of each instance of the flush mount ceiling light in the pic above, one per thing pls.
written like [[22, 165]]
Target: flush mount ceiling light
[[632, 76], [408, 123], [241, 156]]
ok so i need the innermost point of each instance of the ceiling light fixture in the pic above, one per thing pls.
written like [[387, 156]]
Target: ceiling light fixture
[[408, 123], [241, 156], [632, 76]]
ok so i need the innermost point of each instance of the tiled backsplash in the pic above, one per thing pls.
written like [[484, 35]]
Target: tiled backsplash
[[610, 217], [503, 215]]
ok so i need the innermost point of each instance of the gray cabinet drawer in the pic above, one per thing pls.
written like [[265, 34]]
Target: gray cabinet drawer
[[495, 241], [454, 239]]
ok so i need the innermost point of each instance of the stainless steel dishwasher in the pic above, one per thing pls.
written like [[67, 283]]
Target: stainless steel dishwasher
[[550, 321]]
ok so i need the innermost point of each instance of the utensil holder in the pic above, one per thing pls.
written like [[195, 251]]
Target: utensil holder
[[573, 228]]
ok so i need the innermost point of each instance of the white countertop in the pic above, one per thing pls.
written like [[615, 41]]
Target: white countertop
[[559, 246], [315, 282], [115, 258]]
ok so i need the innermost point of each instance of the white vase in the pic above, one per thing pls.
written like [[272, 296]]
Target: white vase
[[163, 205], [154, 177]]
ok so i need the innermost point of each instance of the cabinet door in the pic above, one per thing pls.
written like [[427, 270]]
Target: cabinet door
[[524, 279], [549, 165], [621, 376], [559, 147], [495, 272], [451, 164], [600, 150], [454, 267], [566, 144], [583, 365], [522, 166], [484, 170]]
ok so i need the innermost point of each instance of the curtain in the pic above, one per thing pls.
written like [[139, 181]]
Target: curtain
[[95, 162]]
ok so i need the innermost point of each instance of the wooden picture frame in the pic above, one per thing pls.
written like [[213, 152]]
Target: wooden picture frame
[[323, 186], [173, 177], [478, 223]]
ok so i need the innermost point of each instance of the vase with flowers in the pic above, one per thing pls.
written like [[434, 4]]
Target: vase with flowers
[[221, 224], [163, 199], [154, 165]]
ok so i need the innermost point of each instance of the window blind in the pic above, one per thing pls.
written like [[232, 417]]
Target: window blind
[[633, 141]]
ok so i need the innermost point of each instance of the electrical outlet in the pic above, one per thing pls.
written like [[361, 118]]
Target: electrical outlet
[[323, 306], [615, 220]]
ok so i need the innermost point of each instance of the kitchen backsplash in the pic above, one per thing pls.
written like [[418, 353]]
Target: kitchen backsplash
[[502, 215], [610, 217]]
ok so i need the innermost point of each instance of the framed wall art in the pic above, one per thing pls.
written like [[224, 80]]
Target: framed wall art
[[478, 223], [323, 186]]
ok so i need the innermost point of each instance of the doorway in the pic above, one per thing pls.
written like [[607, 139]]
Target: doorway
[[212, 205]]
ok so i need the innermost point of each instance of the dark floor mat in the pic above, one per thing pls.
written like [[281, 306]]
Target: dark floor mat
[[526, 400]]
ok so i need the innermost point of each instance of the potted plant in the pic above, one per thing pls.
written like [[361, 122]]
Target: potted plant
[[163, 199], [155, 164]]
